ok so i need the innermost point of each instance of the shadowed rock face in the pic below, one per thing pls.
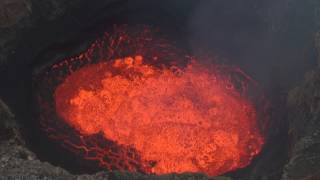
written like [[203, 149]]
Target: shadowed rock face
[[7, 122], [12, 11], [304, 118], [18, 162]]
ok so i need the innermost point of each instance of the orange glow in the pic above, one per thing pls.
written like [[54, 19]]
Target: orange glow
[[183, 119], [132, 101]]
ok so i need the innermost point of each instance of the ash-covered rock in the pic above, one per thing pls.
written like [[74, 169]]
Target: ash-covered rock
[[17, 162]]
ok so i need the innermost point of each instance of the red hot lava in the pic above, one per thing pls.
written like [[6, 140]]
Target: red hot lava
[[189, 118]]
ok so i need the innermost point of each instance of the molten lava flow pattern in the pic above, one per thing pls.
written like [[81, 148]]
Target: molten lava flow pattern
[[183, 119], [133, 101]]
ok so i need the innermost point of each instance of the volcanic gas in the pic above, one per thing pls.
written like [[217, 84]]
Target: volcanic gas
[[177, 118]]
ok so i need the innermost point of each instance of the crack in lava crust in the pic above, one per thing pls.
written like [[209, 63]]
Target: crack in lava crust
[[184, 119]]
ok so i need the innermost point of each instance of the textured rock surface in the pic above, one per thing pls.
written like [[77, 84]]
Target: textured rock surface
[[304, 117], [16, 162], [8, 126]]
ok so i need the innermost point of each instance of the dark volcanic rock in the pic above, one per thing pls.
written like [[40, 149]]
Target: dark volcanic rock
[[304, 117], [8, 126], [17, 162]]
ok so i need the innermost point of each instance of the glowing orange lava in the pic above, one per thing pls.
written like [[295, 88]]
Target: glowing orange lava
[[183, 119]]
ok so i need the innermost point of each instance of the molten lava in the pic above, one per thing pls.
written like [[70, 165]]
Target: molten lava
[[156, 109], [185, 120]]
